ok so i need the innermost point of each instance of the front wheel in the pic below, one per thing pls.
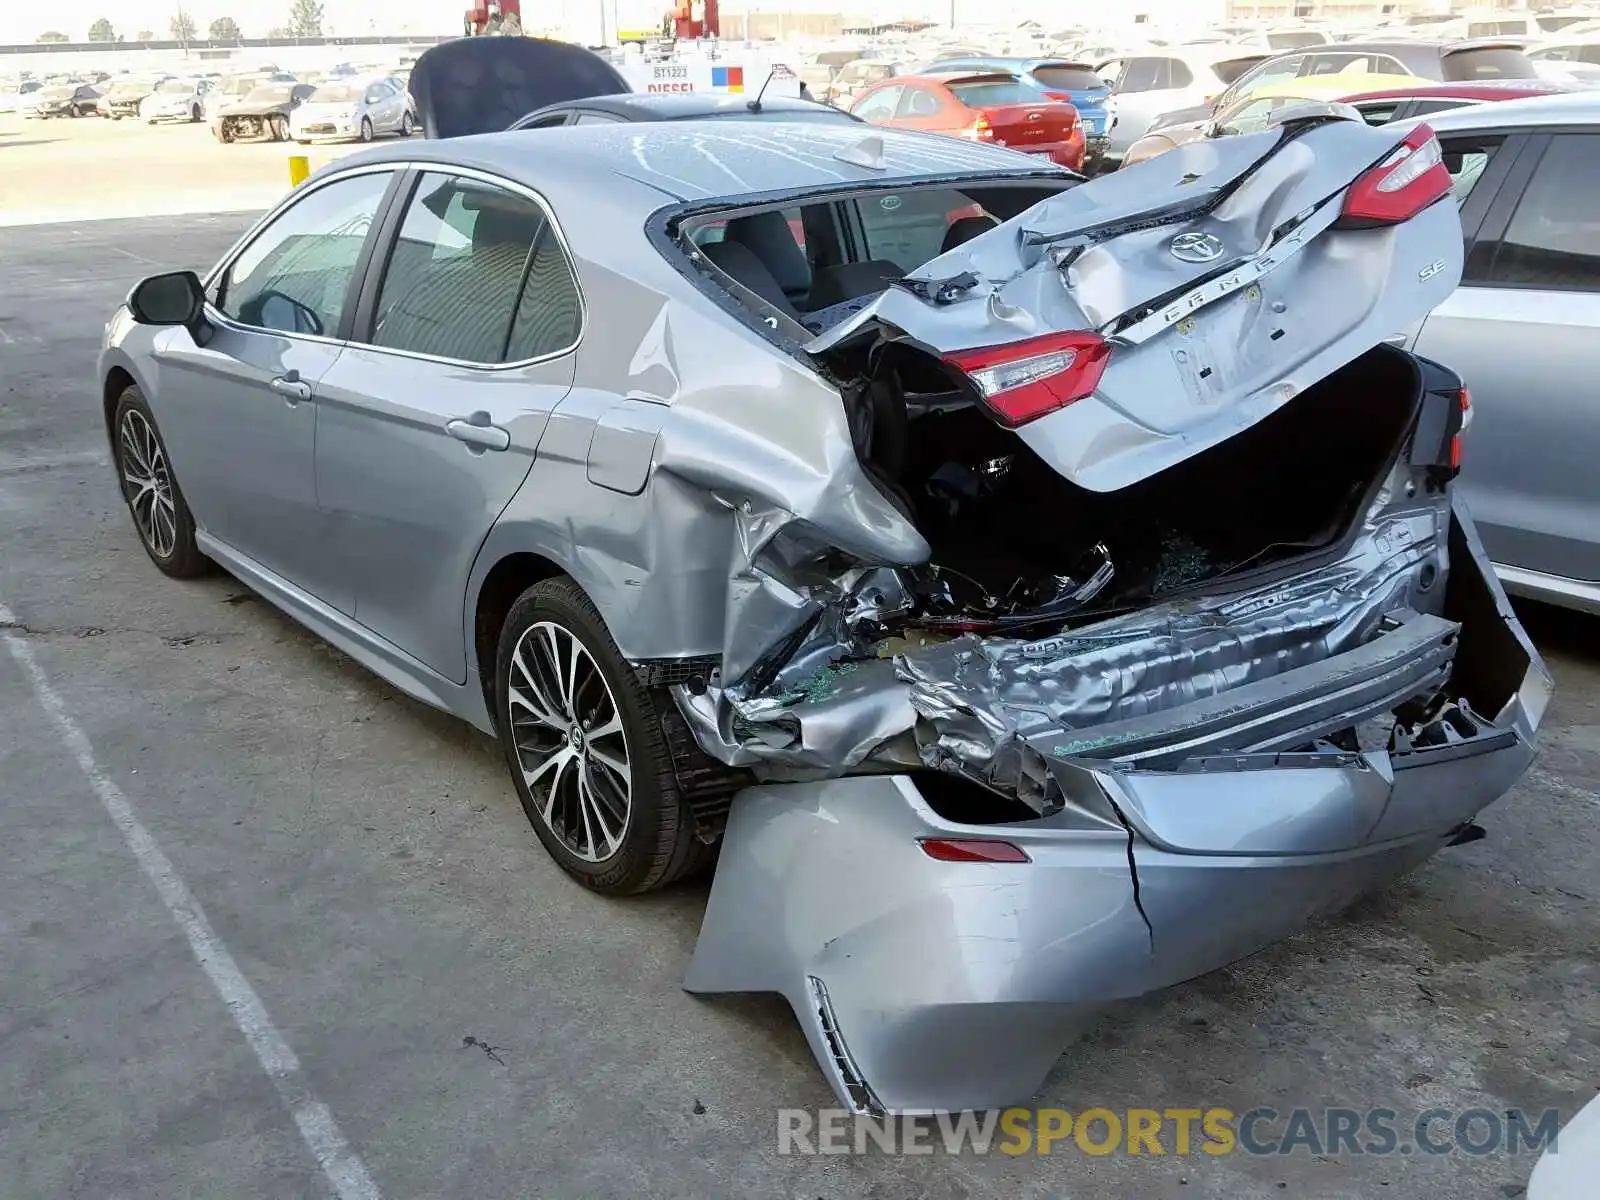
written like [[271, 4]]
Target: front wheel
[[586, 748], [225, 132], [195, 115], [366, 129], [280, 128], [160, 514]]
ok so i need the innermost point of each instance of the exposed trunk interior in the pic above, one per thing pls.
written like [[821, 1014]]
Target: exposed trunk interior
[[1002, 523]]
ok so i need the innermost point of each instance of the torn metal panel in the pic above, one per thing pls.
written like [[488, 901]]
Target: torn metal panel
[[1065, 693], [1001, 710]]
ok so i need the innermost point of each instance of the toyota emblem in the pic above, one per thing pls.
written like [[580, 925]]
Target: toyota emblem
[[1196, 248]]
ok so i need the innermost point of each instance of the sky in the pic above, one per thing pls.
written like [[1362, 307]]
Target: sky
[[25, 20]]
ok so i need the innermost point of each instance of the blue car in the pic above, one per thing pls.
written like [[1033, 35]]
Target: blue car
[[1057, 78]]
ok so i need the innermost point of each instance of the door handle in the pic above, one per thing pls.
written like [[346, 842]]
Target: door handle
[[476, 431], [291, 387]]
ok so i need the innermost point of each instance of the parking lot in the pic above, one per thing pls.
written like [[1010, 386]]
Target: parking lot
[[471, 1022]]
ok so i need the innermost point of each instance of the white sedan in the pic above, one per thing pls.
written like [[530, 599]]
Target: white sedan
[[342, 109], [176, 100]]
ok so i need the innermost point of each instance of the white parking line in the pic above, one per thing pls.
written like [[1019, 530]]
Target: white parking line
[[318, 1129]]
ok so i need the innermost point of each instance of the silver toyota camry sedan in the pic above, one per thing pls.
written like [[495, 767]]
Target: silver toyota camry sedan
[[1031, 592]]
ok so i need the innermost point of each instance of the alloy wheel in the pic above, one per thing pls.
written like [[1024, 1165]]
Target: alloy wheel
[[147, 483], [570, 742]]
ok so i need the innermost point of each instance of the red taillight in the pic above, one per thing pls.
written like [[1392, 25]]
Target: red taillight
[[973, 850], [1464, 398], [1399, 187], [1022, 381], [1059, 96], [980, 129]]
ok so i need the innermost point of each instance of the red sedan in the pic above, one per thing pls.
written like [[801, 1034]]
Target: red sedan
[[992, 107]]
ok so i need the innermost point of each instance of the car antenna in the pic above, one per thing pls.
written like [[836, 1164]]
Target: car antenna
[[755, 105]]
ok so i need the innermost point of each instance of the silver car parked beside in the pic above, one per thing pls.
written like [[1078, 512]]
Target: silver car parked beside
[[1042, 593], [1524, 331]]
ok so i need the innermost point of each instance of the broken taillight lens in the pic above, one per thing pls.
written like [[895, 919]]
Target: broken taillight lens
[[1401, 186], [1022, 381], [973, 850]]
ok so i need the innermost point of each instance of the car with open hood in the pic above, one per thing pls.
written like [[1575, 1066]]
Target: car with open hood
[[176, 100], [1042, 591], [263, 112], [234, 88], [122, 97], [353, 109]]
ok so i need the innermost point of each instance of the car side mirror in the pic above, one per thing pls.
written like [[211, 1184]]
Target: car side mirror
[[176, 298]]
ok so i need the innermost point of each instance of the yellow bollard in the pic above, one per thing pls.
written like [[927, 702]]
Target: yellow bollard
[[299, 168]]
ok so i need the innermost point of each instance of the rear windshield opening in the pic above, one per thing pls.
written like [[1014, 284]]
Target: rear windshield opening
[[820, 262], [991, 95], [1487, 64], [1069, 79]]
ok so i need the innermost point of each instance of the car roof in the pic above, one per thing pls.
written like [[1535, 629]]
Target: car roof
[[678, 106], [1580, 107], [725, 158]]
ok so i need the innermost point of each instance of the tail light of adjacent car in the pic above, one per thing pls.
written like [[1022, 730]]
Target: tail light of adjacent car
[[1464, 399], [1399, 187], [1062, 96], [980, 130], [973, 850], [1023, 381]]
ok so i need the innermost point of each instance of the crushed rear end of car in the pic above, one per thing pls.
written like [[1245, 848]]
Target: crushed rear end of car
[[1142, 628]]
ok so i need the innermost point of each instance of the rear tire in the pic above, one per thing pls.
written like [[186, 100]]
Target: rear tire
[[160, 514], [225, 132], [407, 126], [586, 749], [366, 129], [195, 114], [280, 128]]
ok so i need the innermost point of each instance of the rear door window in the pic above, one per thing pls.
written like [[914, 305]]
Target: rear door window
[[1143, 75], [1488, 63], [477, 275], [1466, 159], [1553, 239], [908, 228]]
